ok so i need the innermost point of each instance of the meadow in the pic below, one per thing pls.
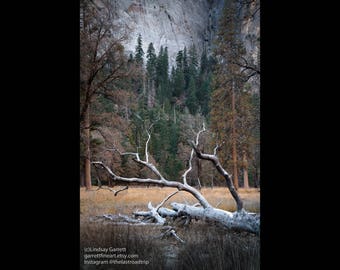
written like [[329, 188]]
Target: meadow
[[207, 245]]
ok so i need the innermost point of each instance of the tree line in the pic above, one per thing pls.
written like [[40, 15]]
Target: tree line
[[121, 96]]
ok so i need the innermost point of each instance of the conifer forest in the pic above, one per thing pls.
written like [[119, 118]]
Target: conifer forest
[[169, 134]]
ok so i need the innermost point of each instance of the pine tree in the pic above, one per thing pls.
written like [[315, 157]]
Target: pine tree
[[226, 86], [151, 61], [162, 80], [191, 100], [193, 61], [179, 83], [140, 74], [139, 53], [245, 126], [151, 75], [179, 60], [204, 83], [234, 111], [186, 69], [178, 76]]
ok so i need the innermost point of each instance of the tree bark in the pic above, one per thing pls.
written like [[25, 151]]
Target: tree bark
[[240, 220], [82, 178], [87, 140], [245, 171], [256, 178], [223, 172], [234, 152]]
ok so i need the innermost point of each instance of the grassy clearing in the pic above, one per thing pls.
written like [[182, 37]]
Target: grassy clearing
[[102, 201], [206, 246]]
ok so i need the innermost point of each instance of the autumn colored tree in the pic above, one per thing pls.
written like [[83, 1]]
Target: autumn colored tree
[[226, 84], [235, 123], [102, 62]]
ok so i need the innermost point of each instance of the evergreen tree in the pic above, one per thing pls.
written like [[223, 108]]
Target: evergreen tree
[[151, 75], [203, 95], [179, 60], [245, 126], [131, 59], [139, 53], [234, 111], [227, 85], [151, 61], [139, 74], [186, 69], [163, 90], [191, 100], [178, 78], [179, 83], [204, 83], [193, 61]]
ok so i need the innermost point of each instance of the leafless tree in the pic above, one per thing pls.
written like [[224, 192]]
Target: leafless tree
[[102, 63], [238, 220]]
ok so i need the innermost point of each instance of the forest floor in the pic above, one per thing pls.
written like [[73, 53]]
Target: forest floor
[[207, 246]]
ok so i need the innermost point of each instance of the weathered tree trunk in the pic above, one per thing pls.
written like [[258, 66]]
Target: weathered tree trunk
[[87, 140], [82, 178], [233, 126], [239, 220], [245, 170], [223, 172], [256, 181]]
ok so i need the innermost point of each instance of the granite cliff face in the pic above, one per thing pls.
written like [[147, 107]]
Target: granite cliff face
[[175, 23], [178, 23]]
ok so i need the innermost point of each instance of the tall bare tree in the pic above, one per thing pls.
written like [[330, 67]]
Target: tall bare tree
[[102, 62]]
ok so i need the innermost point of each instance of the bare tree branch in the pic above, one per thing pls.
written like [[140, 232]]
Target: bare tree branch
[[119, 190], [214, 159], [155, 215], [167, 198], [184, 176], [138, 160], [115, 192], [240, 220], [246, 66], [172, 232], [160, 182]]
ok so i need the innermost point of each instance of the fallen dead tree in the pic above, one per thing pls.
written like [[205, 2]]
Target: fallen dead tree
[[240, 220]]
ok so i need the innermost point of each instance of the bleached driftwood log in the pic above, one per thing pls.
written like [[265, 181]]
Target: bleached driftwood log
[[240, 220]]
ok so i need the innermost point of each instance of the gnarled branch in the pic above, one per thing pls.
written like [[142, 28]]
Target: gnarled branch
[[240, 220], [214, 159], [159, 182]]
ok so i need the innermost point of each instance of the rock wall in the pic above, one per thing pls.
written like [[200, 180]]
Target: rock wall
[[175, 23]]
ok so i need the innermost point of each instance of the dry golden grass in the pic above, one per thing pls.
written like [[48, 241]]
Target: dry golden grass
[[230, 250], [136, 198]]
